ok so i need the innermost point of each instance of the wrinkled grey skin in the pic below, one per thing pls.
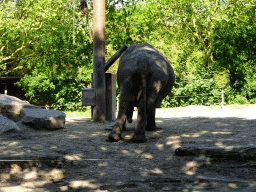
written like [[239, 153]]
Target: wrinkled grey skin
[[144, 77]]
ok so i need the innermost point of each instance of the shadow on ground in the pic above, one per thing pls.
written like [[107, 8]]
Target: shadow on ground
[[79, 157]]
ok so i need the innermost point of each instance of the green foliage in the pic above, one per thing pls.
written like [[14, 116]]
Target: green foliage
[[239, 99], [222, 78], [39, 38], [198, 90], [210, 45], [253, 101], [49, 91], [235, 46]]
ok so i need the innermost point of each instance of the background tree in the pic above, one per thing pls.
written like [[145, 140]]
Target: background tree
[[206, 42], [37, 43], [235, 46]]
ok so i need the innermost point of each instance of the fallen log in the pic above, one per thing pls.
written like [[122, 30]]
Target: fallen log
[[241, 152]]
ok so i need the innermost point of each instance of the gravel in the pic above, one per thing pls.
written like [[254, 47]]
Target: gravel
[[79, 157]]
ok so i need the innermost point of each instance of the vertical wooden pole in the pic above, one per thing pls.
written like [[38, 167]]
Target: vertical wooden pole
[[99, 110], [5, 89], [222, 98], [110, 96]]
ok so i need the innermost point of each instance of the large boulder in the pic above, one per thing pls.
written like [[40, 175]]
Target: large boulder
[[43, 118], [7, 125], [26, 115], [11, 107]]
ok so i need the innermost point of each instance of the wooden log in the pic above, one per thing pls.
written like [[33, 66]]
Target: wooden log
[[241, 152]]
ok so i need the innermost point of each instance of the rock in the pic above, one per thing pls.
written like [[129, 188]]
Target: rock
[[22, 126], [26, 115], [11, 107], [43, 118], [7, 125]]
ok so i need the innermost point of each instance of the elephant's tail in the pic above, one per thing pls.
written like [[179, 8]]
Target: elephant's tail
[[144, 93]]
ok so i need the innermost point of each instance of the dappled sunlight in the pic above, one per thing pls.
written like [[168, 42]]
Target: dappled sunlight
[[128, 137], [83, 159], [96, 134], [55, 175], [173, 141], [104, 148], [54, 147], [233, 185], [147, 156], [221, 133], [14, 143], [159, 121], [126, 152], [105, 164], [29, 176], [138, 151], [191, 135], [75, 157], [154, 171], [160, 146], [252, 184], [82, 184], [15, 169], [73, 136], [219, 144], [190, 168], [157, 85]]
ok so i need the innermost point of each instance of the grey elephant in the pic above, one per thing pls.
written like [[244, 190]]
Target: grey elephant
[[144, 77]]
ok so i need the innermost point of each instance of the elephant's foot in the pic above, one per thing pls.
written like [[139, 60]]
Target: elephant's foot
[[151, 128], [114, 137], [129, 120], [124, 128], [139, 139]]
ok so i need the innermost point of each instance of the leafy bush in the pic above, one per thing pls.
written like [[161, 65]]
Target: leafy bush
[[195, 91], [239, 99], [59, 59], [253, 101], [46, 89]]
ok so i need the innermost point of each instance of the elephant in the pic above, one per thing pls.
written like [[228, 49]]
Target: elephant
[[145, 77]]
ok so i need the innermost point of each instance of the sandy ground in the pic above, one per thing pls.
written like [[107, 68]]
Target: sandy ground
[[79, 157]]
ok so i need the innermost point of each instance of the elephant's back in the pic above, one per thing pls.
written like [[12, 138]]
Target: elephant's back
[[145, 56], [143, 52], [137, 51]]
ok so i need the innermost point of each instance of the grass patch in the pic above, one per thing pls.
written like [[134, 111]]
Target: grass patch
[[87, 111], [84, 113], [240, 106]]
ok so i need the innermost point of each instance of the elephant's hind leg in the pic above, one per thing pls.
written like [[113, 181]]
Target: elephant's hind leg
[[151, 111], [139, 133], [130, 113], [151, 121], [115, 134]]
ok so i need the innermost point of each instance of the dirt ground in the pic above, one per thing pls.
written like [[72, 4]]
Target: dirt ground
[[79, 157]]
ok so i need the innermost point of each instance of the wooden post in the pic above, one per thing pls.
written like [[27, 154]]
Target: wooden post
[[222, 98], [99, 110], [117, 104], [110, 96], [5, 89]]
